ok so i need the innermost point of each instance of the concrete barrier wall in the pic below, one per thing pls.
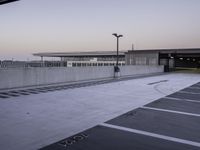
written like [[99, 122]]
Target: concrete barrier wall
[[23, 77], [139, 69]]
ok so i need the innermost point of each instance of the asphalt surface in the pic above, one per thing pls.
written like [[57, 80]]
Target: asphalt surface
[[169, 123]]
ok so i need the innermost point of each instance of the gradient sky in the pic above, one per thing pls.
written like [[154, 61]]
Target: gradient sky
[[30, 26]]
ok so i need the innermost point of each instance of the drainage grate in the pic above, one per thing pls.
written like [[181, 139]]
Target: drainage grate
[[32, 92], [19, 93], [2, 96], [7, 94], [41, 91], [16, 93], [22, 93], [49, 89]]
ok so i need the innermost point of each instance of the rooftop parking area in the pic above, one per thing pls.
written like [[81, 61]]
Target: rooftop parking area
[[157, 112]]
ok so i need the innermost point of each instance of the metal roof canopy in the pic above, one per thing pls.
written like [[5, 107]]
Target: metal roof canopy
[[80, 54]]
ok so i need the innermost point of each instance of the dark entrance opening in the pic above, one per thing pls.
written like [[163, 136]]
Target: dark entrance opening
[[188, 61], [174, 61]]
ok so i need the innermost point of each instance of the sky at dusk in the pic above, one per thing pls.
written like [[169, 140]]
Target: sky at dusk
[[31, 26]]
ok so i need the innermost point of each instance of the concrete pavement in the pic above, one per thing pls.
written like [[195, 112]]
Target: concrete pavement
[[35, 121]]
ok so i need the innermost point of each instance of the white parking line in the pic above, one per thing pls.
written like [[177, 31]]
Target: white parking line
[[186, 92], [192, 87], [179, 99], [172, 111], [152, 134]]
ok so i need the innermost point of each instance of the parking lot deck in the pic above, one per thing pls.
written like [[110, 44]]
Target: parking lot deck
[[151, 113]]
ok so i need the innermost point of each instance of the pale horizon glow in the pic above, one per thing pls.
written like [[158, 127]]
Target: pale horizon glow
[[32, 26]]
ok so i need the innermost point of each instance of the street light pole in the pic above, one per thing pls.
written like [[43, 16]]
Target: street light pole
[[117, 62], [117, 52]]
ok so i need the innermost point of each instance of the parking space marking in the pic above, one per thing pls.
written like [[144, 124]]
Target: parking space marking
[[186, 92], [171, 111], [193, 87], [197, 144], [179, 99], [163, 130]]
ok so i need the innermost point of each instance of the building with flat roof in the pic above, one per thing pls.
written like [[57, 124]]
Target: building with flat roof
[[170, 58], [80, 59]]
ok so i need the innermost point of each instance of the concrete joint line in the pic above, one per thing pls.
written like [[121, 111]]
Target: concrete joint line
[[152, 134], [178, 99], [187, 92], [171, 111]]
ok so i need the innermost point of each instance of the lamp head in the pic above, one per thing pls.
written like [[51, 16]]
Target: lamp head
[[115, 34]]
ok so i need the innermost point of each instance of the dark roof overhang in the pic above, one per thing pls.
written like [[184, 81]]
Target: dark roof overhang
[[6, 1]]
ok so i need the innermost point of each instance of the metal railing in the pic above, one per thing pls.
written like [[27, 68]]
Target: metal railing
[[26, 64]]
